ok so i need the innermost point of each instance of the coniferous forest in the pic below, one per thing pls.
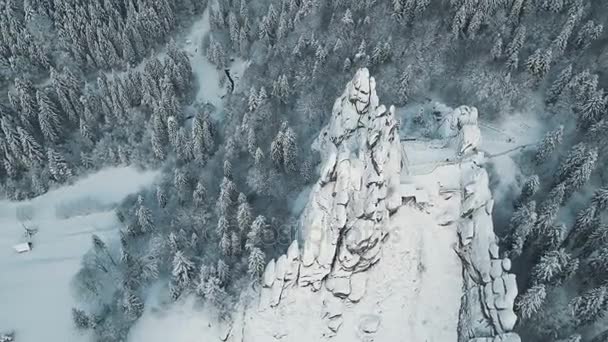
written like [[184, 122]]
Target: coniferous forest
[[92, 84]]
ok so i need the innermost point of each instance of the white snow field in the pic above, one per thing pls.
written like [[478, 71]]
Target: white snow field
[[35, 291]]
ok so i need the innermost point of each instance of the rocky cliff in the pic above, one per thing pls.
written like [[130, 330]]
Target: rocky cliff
[[386, 255]]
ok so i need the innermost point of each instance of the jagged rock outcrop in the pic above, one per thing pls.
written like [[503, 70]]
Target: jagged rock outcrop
[[343, 224], [360, 214], [490, 290]]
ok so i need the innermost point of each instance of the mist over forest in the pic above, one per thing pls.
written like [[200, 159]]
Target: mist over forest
[[223, 100]]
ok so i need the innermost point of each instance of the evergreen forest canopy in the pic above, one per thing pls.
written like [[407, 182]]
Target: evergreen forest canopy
[[92, 84]]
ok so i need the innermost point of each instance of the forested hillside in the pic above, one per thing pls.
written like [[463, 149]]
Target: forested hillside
[[89, 84]]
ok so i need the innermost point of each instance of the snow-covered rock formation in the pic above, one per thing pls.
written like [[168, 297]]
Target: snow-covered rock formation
[[386, 254], [487, 309], [347, 213]]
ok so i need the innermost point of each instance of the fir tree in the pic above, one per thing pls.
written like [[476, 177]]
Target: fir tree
[[549, 144], [554, 268], [290, 153], [183, 270], [530, 302], [559, 85], [58, 167], [144, 218], [256, 263], [199, 195], [590, 306], [244, 215]]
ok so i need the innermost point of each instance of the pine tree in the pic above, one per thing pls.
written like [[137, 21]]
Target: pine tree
[[227, 169], [183, 270], [172, 130], [575, 158], [48, 117], [592, 109], [144, 219], [600, 199], [497, 49], [290, 153], [548, 210], [590, 306], [530, 302], [554, 268], [559, 85], [227, 196], [199, 195], [244, 214], [58, 167], [549, 144], [276, 150], [160, 138], [256, 263], [581, 174], [161, 198], [256, 233], [223, 271], [235, 246], [530, 188], [223, 226], [181, 182], [31, 148], [517, 42], [252, 103], [584, 224], [539, 63], [521, 224], [588, 33], [132, 305]]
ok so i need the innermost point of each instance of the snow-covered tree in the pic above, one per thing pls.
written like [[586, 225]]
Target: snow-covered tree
[[530, 302], [256, 233], [58, 166], [590, 306], [256, 263], [539, 63], [199, 196], [588, 33], [549, 144], [132, 305], [547, 212], [48, 117], [600, 198], [554, 268], [290, 152], [144, 219], [244, 214], [559, 85], [183, 270], [521, 224]]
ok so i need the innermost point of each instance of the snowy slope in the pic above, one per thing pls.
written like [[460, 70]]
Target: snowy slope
[[35, 287]]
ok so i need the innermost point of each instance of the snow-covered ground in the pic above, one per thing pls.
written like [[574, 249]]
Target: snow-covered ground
[[35, 291], [210, 88]]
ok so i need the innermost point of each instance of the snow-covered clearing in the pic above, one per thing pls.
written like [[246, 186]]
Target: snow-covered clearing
[[35, 291]]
